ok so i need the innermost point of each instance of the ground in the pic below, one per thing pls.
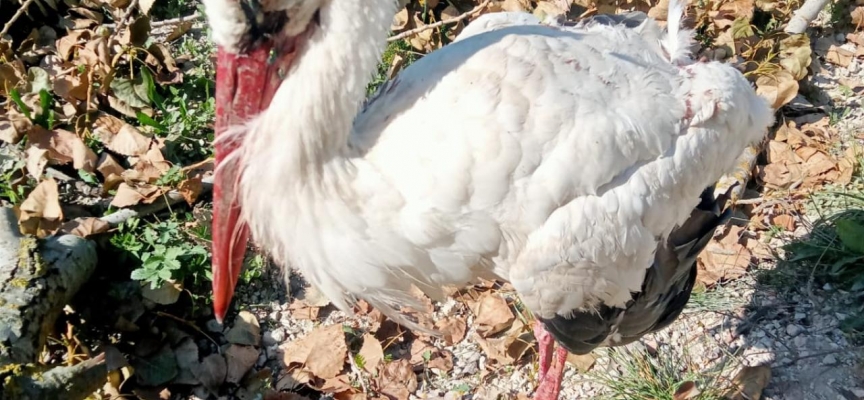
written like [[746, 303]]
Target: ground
[[106, 134]]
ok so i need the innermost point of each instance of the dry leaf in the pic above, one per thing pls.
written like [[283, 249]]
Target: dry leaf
[[40, 214], [13, 127], [37, 160], [686, 391], [492, 313], [246, 330], [108, 166], [779, 88], [371, 352], [131, 195], [582, 362], [149, 167], [300, 310], [397, 380], [322, 352], [424, 354], [190, 189], [63, 147], [452, 329], [509, 346], [119, 136], [85, 227], [785, 221], [749, 383], [240, 360], [839, 56], [724, 259], [858, 17]]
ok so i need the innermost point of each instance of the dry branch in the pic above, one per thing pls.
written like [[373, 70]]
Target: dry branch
[[453, 20], [15, 17], [37, 279], [71, 383], [165, 22], [804, 16]]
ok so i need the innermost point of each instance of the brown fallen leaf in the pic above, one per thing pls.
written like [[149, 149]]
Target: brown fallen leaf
[[725, 259], [240, 360], [85, 227], [107, 166], [246, 330], [40, 213], [131, 195], [785, 221], [839, 56], [493, 315], [749, 383], [148, 168], [120, 137], [779, 88], [63, 147], [190, 189], [13, 127], [425, 355], [167, 293], [686, 391], [322, 352], [37, 160], [452, 329], [582, 362], [371, 352], [300, 310], [508, 346], [397, 380]]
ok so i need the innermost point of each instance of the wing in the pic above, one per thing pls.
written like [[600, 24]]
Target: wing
[[556, 158]]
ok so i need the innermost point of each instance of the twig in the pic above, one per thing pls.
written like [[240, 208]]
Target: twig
[[804, 16], [453, 20], [125, 19], [15, 17], [166, 22], [171, 198], [756, 200]]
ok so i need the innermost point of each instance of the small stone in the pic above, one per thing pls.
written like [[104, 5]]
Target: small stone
[[827, 287], [800, 341], [272, 352], [274, 337], [214, 326], [829, 360], [799, 316], [858, 392], [793, 329], [262, 358]]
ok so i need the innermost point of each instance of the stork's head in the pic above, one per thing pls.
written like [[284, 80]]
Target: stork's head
[[257, 41]]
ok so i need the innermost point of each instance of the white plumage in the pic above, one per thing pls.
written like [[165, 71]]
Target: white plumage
[[556, 158]]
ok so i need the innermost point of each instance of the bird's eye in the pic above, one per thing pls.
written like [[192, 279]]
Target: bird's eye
[[262, 24]]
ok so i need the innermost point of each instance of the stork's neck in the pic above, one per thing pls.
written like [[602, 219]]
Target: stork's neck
[[310, 117]]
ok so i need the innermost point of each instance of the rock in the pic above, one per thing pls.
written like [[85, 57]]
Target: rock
[[214, 326], [274, 337], [829, 360], [800, 316], [827, 287], [793, 330], [800, 341]]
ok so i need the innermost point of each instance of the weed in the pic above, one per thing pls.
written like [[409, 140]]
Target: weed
[[400, 48], [634, 374], [163, 252]]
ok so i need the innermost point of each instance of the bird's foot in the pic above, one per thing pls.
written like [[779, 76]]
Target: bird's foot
[[550, 383], [545, 344]]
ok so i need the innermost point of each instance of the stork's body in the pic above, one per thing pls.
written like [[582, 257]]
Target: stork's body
[[558, 159]]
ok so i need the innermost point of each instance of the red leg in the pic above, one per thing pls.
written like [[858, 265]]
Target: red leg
[[545, 344], [550, 385]]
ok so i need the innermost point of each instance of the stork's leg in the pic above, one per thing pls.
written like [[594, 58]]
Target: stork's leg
[[550, 384], [545, 344]]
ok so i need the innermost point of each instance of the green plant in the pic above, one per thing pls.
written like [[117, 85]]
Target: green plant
[[163, 252]]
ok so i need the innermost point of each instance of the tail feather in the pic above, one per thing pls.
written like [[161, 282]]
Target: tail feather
[[665, 291]]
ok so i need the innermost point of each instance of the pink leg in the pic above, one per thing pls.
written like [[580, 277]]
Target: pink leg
[[545, 344], [550, 385]]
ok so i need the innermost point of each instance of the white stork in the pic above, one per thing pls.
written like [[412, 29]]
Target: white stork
[[574, 162]]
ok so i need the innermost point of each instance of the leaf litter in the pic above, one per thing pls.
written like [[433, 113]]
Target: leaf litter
[[107, 130]]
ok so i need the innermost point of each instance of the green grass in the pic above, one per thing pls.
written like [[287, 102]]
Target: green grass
[[400, 48], [634, 374], [715, 299]]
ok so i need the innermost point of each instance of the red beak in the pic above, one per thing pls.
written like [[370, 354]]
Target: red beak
[[245, 84]]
